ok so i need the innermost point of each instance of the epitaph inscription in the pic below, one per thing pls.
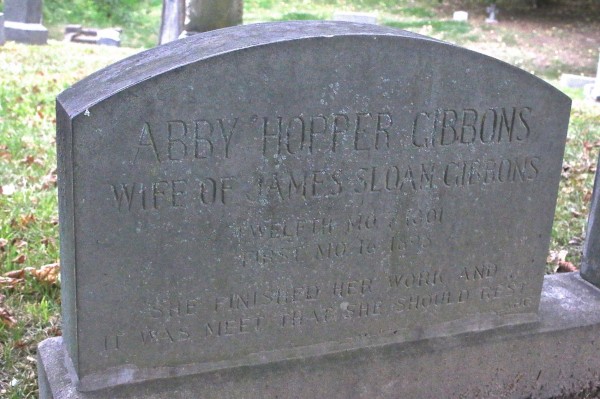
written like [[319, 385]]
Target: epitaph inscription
[[319, 197]]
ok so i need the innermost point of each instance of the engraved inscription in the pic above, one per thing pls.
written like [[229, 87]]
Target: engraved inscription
[[306, 135], [339, 301], [325, 190]]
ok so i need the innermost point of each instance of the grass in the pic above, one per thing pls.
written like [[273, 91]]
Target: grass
[[581, 155], [452, 31], [33, 76], [139, 19]]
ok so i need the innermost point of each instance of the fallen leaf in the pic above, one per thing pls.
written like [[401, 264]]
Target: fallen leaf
[[27, 219], [54, 331], [4, 154], [3, 244], [566, 267], [20, 259], [47, 274], [49, 180], [31, 160], [20, 344], [589, 146], [47, 241], [7, 318], [576, 241], [17, 274], [20, 243], [9, 282]]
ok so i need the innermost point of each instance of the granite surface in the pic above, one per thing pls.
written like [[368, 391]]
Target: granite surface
[[283, 191]]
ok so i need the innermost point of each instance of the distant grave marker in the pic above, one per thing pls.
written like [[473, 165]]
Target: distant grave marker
[[24, 21], [2, 36], [492, 11], [460, 16], [358, 17]]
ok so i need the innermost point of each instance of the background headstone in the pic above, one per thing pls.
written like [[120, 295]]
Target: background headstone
[[492, 11], [460, 16], [285, 191], [590, 264], [2, 37], [103, 37], [23, 21], [596, 89], [358, 17], [206, 15], [576, 81], [26, 11], [109, 37]]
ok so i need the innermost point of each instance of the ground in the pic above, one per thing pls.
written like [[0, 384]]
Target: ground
[[548, 40]]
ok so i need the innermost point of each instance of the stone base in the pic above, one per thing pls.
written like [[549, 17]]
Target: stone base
[[558, 356], [25, 33]]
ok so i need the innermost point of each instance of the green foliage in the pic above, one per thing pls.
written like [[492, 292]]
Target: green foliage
[[139, 19], [75, 11], [33, 76], [417, 12], [455, 31], [455, 27], [298, 16], [581, 153], [255, 4]]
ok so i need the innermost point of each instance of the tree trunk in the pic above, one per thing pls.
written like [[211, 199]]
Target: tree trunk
[[173, 15]]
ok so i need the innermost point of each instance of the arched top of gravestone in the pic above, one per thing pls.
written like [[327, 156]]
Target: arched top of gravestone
[[157, 61]]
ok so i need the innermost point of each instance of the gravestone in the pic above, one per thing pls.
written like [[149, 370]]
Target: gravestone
[[103, 37], [23, 21], [595, 91], [590, 264], [492, 11], [206, 15], [461, 16], [287, 210], [26, 11], [2, 37], [359, 17]]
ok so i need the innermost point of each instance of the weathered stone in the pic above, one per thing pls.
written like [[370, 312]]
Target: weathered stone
[[25, 33], [23, 22], [596, 89], [206, 15], [297, 190], [576, 81], [359, 17], [460, 16], [2, 36], [558, 357], [590, 263], [25, 11]]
